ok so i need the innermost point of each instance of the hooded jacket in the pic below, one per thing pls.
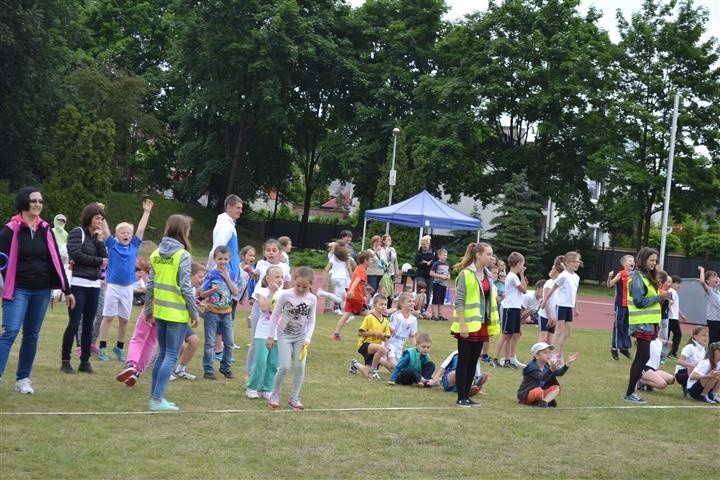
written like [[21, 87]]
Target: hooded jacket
[[168, 247]]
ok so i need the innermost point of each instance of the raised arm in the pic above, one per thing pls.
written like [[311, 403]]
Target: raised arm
[[147, 208], [702, 278], [613, 278]]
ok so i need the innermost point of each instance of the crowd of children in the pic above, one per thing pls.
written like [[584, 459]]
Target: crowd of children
[[491, 299]]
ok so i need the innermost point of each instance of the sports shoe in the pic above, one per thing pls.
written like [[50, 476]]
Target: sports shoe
[[184, 374], [540, 404], [266, 395], [336, 336], [103, 356], [252, 394], [119, 353], [24, 386], [85, 367], [517, 363], [473, 403], [66, 367], [434, 317], [486, 359], [354, 366], [209, 376], [128, 372], [714, 397], [132, 379], [614, 354], [626, 353], [162, 406], [296, 405], [672, 355], [495, 363], [634, 398], [227, 373], [463, 403], [274, 401], [374, 375], [509, 364], [705, 398], [173, 377], [338, 312], [474, 390], [552, 404]]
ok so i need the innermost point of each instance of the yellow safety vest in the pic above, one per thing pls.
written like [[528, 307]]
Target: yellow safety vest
[[168, 302], [476, 307], [649, 314]]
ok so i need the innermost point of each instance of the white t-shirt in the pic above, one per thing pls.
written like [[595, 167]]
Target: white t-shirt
[[550, 304], [401, 327], [693, 352], [529, 301], [339, 270], [262, 267], [702, 368], [262, 330], [566, 293], [674, 308], [713, 303], [655, 353], [513, 295]]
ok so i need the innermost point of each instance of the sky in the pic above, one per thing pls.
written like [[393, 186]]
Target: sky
[[460, 8]]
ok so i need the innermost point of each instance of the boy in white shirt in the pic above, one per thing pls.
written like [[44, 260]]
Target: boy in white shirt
[[515, 288]]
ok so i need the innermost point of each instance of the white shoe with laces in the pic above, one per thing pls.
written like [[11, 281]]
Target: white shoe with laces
[[24, 386], [517, 363], [252, 394]]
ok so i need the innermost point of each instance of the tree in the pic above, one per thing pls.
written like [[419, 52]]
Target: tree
[[78, 162], [662, 56], [517, 226]]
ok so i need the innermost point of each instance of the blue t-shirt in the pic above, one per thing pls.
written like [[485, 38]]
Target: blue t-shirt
[[121, 261], [220, 301]]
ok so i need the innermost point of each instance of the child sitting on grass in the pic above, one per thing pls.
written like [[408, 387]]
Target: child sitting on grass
[[415, 366], [373, 332], [540, 387], [445, 375]]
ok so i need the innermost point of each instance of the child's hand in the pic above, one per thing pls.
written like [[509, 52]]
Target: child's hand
[[269, 343], [147, 205], [572, 357], [194, 322]]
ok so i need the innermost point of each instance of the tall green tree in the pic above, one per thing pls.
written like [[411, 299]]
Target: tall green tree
[[78, 162], [664, 54]]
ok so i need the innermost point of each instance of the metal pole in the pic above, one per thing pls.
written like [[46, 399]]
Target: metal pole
[[393, 175], [668, 182]]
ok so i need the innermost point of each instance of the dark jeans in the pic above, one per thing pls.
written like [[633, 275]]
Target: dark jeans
[[468, 354], [620, 336], [642, 355], [410, 376], [86, 302], [674, 329]]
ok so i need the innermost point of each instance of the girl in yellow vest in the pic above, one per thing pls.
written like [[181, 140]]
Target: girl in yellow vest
[[475, 315], [644, 299], [169, 304]]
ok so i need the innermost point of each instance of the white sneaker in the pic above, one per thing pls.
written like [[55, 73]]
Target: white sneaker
[[24, 386], [517, 362], [338, 312], [173, 377], [266, 395], [249, 393], [184, 374]]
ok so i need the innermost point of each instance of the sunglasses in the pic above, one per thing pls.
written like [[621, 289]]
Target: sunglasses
[[35, 200]]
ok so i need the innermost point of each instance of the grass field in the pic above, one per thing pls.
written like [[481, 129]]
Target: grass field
[[91, 426]]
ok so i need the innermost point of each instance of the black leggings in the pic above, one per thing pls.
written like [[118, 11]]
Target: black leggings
[[468, 355], [713, 330], [642, 355], [674, 329]]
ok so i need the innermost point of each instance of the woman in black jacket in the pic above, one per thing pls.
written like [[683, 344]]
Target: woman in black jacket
[[88, 257]]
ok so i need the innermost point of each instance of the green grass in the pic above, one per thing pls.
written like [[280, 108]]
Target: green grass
[[593, 433], [592, 289]]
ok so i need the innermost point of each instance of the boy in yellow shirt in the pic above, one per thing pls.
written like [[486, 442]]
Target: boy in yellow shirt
[[373, 332]]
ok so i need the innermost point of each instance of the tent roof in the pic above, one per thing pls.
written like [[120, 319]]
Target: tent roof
[[422, 208]]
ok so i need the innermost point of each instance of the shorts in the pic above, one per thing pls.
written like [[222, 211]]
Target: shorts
[[543, 325], [118, 301], [445, 384], [438, 294], [537, 394], [565, 314], [367, 356], [356, 307], [394, 352], [696, 391], [511, 321]]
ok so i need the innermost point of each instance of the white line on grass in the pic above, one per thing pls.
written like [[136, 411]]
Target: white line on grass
[[356, 409]]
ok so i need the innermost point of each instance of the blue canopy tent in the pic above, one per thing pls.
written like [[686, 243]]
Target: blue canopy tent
[[422, 211]]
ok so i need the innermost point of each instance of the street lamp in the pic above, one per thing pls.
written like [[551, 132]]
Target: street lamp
[[393, 175]]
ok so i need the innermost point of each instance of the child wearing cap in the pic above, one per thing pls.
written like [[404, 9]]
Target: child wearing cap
[[539, 387]]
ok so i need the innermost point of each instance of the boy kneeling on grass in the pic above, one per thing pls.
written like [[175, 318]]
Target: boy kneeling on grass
[[540, 387], [415, 366]]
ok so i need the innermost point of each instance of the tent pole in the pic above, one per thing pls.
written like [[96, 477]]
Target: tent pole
[[477, 240], [420, 237], [362, 245]]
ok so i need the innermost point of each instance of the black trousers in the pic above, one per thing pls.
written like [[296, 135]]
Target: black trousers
[[410, 376], [468, 355]]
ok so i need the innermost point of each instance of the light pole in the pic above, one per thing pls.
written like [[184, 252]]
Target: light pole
[[393, 175]]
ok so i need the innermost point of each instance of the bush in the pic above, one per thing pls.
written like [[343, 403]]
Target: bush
[[316, 259]]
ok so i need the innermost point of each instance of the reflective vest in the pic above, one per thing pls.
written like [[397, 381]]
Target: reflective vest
[[476, 308], [168, 302], [649, 314]]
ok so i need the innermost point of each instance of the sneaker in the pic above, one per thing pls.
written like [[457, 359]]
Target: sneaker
[[486, 359], [296, 405], [128, 372], [495, 363], [209, 376], [552, 404], [714, 397], [540, 404], [338, 312], [434, 317], [252, 394], [227, 374], [119, 353], [705, 398], [66, 367], [634, 398], [274, 402], [374, 375], [132, 379], [184, 374], [24, 386], [614, 354], [626, 353], [266, 395], [336, 336], [672, 355], [85, 367], [474, 390], [162, 406], [517, 363], [103, 356], [173, 377], [354, 366], [463, 403], [509, 364]]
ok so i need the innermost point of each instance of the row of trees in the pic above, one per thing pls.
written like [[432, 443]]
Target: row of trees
[[246, 96]]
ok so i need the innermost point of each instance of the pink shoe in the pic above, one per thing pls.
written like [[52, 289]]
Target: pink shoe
[[129, 374], [297, 406], [273, 402], [94, 349]]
